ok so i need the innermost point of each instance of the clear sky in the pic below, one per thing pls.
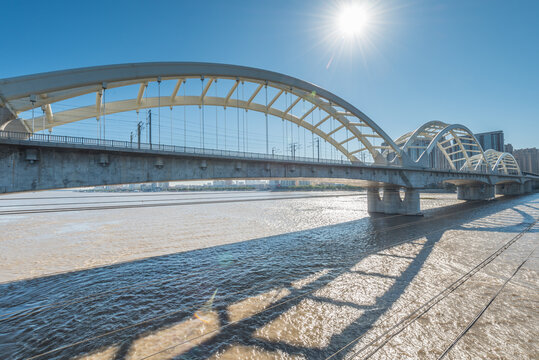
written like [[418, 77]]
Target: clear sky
[[470, 62]]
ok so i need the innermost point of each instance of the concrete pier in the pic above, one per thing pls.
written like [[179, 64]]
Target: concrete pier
[[391, 202], [514, 188], [476, 192]]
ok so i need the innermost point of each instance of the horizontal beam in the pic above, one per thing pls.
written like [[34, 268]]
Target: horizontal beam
[[308, 112], [323, 120], [275, 98], [206, 88], [347, 140], [292, 105], [255, 93], [335, 130], [176, 88], [231, 91]]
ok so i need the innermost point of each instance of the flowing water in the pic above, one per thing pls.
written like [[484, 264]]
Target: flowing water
[[259, 275]]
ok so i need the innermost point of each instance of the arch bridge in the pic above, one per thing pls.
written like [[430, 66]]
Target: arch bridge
[[435, 152]]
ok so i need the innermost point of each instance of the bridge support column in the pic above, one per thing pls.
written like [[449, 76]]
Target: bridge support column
[[374, 203], [391, 203], [476, 192], [510, 189]]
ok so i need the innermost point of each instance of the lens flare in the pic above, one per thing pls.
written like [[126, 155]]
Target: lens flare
[[353, 20]]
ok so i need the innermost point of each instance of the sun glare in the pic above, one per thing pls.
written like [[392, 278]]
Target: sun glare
[[353, 19]]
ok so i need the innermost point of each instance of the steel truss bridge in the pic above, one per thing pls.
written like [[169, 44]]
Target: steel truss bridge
[[433, 153]]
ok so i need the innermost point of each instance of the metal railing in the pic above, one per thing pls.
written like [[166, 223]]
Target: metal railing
[[187, 150], [184, 150]]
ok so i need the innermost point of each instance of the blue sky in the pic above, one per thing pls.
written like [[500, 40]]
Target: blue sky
[[469, 62]]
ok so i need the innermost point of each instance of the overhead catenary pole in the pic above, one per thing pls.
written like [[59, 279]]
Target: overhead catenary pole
[[33, 99], [150, 127], [43, 119], [312, 132], [104, 86], [139, 129]]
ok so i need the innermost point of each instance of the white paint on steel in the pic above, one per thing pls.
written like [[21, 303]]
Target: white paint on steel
[[65, 84]]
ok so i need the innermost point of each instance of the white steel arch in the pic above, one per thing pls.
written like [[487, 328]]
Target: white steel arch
[[501, 162], [456, 142], [43, 90]]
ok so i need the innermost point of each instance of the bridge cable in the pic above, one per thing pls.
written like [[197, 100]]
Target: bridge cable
[[304, 134], [266, 113], [201, 111], [246, 121], [148, 130], [225, 111], [104, 86], [238, 112], [159, 111], [184, 115], [216, 122], [312, 133], [285, 128]]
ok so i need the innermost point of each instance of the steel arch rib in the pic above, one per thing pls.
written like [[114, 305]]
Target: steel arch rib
[[153, 102], [418, 132], [66, 84], [450, 129], [502, 160]]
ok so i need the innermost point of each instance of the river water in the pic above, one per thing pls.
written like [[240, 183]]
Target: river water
[[260, 275]]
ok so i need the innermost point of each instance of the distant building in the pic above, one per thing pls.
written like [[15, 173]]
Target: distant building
[[491, 140], [528, 159], [436, 158], [282, 183]]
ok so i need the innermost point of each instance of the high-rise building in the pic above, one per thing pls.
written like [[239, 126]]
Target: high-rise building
[[491, 140], [528, 160]]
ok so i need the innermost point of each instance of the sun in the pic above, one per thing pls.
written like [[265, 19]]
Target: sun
[[353, 20]]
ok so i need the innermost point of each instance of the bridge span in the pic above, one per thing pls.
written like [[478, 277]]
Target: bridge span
[[31, 159]]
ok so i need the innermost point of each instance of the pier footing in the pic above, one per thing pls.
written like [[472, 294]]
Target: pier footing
[[391, 202]]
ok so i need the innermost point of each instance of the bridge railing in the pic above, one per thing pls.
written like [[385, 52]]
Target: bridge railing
[[119, 144]]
